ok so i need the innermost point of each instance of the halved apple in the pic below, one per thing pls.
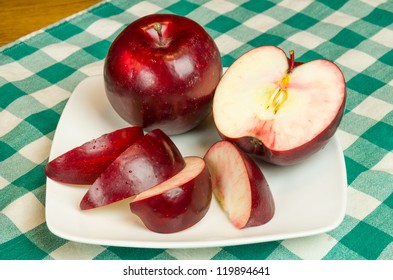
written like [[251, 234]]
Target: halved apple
[[179, 202], [151, 160], [239, 186], [83, 164], [278, 109]]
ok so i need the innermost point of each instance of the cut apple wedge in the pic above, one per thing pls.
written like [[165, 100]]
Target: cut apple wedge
[[178, 203], [151, 160], [83, 164], [278, 109], [239, 186]]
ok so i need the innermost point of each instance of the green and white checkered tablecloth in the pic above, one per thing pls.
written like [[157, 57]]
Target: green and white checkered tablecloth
[[39, 72]]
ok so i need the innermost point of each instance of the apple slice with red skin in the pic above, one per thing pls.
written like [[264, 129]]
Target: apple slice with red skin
[[239, 186], [82, 165], [178, 203], [151, 160], [278, 109]]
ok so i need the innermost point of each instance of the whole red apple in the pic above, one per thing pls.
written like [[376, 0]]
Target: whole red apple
[[161, 72], [277, 109]]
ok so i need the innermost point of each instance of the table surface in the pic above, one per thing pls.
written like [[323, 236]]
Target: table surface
[[39, 73], [21, 17]]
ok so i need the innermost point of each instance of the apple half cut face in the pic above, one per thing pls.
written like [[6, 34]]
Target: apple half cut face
[[179, 202], [84, 164], [239, 186], [278, 109], [151, 160]]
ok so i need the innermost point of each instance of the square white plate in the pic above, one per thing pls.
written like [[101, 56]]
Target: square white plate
[[310, 197]]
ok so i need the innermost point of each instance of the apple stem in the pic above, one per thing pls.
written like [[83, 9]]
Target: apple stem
[[158, 28], [291, 60]]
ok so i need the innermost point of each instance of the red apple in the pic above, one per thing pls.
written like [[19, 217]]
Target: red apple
[[161, 72], [239, 186], [151, 160], [178, 203], [83, 164], [278, 109]]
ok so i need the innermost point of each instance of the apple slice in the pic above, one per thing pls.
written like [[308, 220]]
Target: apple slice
[[151, 160], [83, 164], [278, 109], [239, 186], [178, 203]]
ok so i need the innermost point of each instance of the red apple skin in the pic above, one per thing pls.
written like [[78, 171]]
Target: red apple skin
[[254, 147], [167, 84], [151, 160], [262, 204], [82, 165], [177, 209]]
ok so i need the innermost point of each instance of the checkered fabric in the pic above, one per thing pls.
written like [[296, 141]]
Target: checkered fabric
[[39, 72]]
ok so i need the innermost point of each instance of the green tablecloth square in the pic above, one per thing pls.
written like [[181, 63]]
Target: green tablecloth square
[[222, 24], [32, 179], [301, 21], [6, 151], [9, 93], [252, 252], [366, 240], [266, 39], [353, 169], [339, 232], [99, 49], [258, 6], [45, 121], [375, 132], [21, 248], [227, 60], [182, 7], [56, 72], [20, 51], [364, 84], [106, 10], [64, 30], [347, 38], [310, 55], [380, 17], [387, 58], [333, 4]]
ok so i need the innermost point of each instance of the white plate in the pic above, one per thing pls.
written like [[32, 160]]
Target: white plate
[[310, 197]]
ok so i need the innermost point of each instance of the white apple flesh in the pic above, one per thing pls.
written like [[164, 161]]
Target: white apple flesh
[[277, 109], [239, 186], [177, 203]]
